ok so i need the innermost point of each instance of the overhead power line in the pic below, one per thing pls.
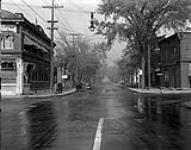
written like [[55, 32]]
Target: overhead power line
[[20, 8], [63, 22], [65, 25], [64, 10], [79, 7], [34, 11]]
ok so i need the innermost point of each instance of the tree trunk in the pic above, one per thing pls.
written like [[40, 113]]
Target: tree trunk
[[149, 67], [143, 72], [136, 79]]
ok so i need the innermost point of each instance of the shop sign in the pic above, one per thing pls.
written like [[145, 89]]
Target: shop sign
[[64, 76], [140, 72]]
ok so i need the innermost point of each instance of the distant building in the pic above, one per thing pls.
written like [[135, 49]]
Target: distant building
[[155, 67], [175, 54], [25, 59], [156, 64]]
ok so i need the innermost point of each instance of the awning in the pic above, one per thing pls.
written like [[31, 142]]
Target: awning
[[31, 45]]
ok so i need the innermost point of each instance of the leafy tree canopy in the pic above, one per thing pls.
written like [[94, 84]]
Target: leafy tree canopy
[[138, 21]]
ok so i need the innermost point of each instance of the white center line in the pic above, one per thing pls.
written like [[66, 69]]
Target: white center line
[[98, 136]]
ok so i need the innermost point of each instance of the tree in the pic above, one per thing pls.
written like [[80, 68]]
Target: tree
[[82, 60], [101, 48], [129, 65], [138, 22]]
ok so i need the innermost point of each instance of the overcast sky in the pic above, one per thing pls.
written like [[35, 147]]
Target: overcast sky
[[73, 18]]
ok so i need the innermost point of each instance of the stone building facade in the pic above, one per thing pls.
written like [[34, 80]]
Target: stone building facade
[[175, 54], [25, 59]]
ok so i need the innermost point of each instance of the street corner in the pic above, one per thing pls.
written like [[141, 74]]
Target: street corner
[[40, 96]]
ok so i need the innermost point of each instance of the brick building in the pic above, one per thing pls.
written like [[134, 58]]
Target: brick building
[[175, 54], [25, 59]]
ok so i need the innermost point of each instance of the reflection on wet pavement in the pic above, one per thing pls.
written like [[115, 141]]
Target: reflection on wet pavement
[[166, 121], [42, 125], [131, 122], [168, 113]]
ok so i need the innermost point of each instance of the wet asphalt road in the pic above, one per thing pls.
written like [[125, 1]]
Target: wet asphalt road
[[131, 122]]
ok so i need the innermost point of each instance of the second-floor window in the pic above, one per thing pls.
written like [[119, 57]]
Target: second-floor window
[[8, 65], [7, 43], [166, 56], [174, 51]]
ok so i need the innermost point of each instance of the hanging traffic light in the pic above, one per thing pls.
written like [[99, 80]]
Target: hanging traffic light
[[92, 27], [92, 15]]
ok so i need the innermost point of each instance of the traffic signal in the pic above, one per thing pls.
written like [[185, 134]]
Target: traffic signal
[[92, 27], [92, 16]]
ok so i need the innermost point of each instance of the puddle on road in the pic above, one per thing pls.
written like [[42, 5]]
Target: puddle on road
[[155, 124], [40, 125], [171, 113]]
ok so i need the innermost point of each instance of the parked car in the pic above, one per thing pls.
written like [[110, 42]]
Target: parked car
[[122, 82]]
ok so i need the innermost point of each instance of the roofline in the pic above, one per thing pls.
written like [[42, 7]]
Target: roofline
[[35, 29], [169, 37], [15, 16], [19, 17], [177, 34]]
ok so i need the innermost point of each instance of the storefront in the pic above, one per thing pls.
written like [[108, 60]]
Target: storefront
[[25, 58]]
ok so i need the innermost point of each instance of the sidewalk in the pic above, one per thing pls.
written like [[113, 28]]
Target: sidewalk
[[161, 91], [66, 92]]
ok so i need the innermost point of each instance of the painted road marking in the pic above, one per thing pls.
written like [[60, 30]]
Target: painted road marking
[[98, 136]]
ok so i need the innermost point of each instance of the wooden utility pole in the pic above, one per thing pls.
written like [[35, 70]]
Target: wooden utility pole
[[73, 38], [0, 52], [73, 41], [52, 28]]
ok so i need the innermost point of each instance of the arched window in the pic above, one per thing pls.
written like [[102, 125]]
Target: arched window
[[9, 42], [2, 43]]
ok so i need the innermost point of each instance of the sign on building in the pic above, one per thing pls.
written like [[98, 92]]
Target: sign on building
[[64, 76]]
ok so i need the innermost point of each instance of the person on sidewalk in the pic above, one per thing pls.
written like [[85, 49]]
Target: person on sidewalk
[[59, 88]]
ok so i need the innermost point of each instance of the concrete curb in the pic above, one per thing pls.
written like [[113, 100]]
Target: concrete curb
[[158, 91], [38, 96], [144, 91], [155, 91]]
